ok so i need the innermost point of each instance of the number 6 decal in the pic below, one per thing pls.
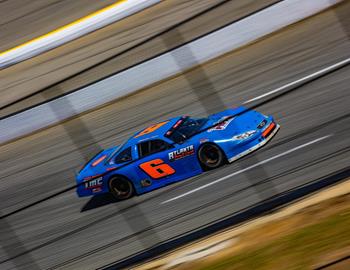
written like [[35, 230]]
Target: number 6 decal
[[156, 168]]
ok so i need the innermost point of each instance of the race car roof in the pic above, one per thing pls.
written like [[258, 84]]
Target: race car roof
[[156, 131]]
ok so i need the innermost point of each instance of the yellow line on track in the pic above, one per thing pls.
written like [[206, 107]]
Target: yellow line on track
[[63, 28]]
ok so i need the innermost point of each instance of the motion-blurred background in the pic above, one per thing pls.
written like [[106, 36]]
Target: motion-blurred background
[[40, 231]]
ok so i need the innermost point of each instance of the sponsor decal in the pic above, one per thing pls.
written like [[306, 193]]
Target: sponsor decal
[[98, 161], [95, 190], [244, 135], [174, 127], [221, 124], [178, 123], [94, 183], [262, 124], [181, 153], [146, 182]]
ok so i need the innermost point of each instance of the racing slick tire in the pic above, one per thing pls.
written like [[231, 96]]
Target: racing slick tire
[[211, 156], [121, 188]]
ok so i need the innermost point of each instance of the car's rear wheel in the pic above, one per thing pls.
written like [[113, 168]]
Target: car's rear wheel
[[121, 188], [211, 156]]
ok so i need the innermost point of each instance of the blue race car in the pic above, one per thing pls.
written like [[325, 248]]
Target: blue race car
[[174, 150]]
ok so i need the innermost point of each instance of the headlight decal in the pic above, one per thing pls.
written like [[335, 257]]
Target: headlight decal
[[244, 136]]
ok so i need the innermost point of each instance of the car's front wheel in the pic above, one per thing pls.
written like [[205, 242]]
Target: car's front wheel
[[121, 188], [211, 156]]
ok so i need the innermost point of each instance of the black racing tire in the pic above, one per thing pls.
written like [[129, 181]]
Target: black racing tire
[[121, 188], [211, 156]]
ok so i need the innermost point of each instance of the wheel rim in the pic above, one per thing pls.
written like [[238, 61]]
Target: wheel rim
[[121, 188], [211, 156]]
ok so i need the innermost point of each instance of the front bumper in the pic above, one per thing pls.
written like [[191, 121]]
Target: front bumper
[[266, 135]]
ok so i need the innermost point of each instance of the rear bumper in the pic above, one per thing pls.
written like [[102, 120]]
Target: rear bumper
[[265, 137]]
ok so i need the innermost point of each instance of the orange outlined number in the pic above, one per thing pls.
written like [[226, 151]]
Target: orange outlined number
[[151, 129], [156, 168]]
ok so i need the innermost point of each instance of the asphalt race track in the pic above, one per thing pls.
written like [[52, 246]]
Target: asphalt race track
[[23, 20], [116, 47], [311, 148]]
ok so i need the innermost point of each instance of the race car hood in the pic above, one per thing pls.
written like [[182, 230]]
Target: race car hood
[[244, 120], [97, 165]]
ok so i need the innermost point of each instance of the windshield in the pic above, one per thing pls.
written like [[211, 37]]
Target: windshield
[[187, 128], [116, 151]]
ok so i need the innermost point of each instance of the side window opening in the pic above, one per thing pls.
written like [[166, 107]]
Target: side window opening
[[158, 145], [123, 156], [151, 147], [143, 149]]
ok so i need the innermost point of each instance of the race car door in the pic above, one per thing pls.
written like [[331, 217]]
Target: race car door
[[163, 163]]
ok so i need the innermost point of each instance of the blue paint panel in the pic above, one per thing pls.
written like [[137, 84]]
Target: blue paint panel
[[180, 162]]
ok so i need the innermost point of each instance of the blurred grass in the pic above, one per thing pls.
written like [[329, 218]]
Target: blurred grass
[[302, 249]]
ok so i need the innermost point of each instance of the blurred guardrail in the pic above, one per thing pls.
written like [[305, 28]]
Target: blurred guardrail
[[169, 64], [83, 26]]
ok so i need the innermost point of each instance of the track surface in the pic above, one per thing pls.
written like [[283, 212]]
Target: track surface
[[40, 72], [71, 233], [23, 20]]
